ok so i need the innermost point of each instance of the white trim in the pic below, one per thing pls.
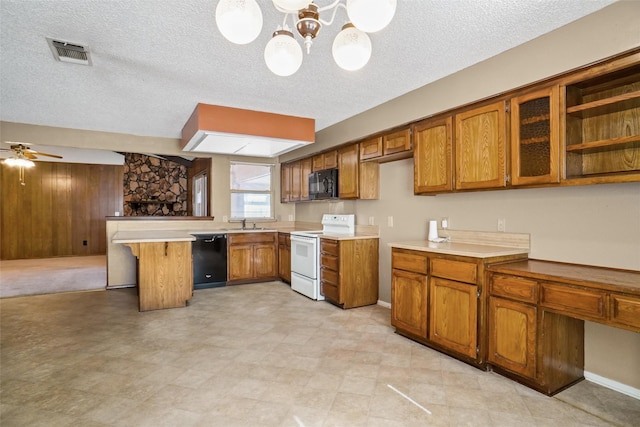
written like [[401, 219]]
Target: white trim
[[384, 304], [613, 385]]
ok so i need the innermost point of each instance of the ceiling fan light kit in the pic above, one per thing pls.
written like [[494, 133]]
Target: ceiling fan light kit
[[240, 21]]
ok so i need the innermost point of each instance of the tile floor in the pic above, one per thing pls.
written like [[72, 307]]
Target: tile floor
[[252, 355]]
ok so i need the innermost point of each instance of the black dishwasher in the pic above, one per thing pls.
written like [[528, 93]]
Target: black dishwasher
[[209, 253]]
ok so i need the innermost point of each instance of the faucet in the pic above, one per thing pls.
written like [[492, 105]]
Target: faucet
[[244, 223]]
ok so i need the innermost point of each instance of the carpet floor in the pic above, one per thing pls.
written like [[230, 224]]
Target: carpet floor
[[52, 275]]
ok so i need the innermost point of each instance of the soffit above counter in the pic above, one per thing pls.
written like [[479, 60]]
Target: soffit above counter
[[234, 131]]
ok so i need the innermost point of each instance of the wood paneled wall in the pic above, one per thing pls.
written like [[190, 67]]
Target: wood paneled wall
[[62, 206]]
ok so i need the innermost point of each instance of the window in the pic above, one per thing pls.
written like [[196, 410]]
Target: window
[[251, 191]]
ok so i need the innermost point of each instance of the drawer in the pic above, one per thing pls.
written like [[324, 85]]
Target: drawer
[[625, 311], [330, 291], [512, 287], [460, 271], [578, 302], [330, 276], [414, 261], [241, 238], [329, 261], [329, 247]]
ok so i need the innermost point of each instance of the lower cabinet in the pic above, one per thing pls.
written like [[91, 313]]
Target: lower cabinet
[[409, 300], [539, 348], [436, 300], [453, 315], [252, 256], [349, 271], [284, 257], [512, 336]]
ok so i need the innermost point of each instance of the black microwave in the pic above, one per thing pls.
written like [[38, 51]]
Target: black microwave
[[323, 184]]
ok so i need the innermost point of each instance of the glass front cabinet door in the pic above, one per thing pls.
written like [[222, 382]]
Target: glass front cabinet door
[[535, 137]]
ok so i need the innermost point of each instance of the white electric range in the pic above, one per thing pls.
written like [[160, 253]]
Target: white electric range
[[305, 253]]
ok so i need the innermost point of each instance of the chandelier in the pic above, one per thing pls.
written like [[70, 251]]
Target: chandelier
[[240, 22]]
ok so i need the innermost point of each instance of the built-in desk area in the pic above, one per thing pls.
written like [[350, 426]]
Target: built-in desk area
[[536, 315]]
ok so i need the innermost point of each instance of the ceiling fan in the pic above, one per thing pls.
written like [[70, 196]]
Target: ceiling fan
[[23, 156]]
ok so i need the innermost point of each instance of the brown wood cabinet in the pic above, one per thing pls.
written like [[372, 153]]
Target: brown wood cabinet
[[409, 292], [349, 172], [296, 182], [284, 256], [535, 137], [433, 156], [453, 308], [356, 180], [349, 271], [437, 300], [536, 317], [165, 276], [602, 122], [326, 160], [512, 336], [305, 170], [285, 182], [252, 256], [388, 147], [480, 138]]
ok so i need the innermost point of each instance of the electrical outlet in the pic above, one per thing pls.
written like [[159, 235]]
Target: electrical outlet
[[371, 220], [502, 224], [390, 221], [225, 218], [444, 223], [290, 217]]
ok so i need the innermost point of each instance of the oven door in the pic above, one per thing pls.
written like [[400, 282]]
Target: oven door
[[304, 255]]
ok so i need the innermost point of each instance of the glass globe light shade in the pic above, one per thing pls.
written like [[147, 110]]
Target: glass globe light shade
[[351, 48], [239, 21], [291, 5], [283, 54], [371, 15]]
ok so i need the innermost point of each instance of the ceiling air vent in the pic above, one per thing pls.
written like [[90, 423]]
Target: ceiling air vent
[[69, 52]]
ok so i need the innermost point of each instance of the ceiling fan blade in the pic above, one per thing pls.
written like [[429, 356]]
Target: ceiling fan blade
[[40, 153], [29, 155]]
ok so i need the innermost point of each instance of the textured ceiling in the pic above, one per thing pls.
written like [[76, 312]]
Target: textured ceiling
[[154, 60]]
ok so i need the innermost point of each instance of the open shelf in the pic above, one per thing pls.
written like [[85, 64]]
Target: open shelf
[[605, 143], [612, 104]]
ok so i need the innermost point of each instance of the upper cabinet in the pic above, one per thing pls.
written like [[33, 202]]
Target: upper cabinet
[[388, 147], [285, 182], [603, 123], [432, 155], [581, 127], [357, 180], [305, 170], [294, 180], [480, 137], [326, 160], [535, 137]]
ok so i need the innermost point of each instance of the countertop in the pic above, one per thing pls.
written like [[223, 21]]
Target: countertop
[[140, 236], [476, 244], [463, 249]]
